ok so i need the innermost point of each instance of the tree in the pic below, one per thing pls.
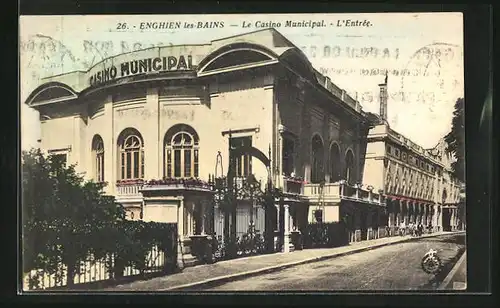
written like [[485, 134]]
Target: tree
[[455, 140], [64, 217]]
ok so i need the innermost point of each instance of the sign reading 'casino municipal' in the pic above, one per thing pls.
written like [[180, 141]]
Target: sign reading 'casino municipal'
[[130, 68]]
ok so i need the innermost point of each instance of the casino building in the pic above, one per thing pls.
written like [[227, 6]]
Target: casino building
[[156, 123], [417, 182]]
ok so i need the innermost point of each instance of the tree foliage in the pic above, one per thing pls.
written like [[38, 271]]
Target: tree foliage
[[64, 216], [68, 221], [455, 140]]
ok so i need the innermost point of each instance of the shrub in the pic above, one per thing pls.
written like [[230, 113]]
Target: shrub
[[319, 235]]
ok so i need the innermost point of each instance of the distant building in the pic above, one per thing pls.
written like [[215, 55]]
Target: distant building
[[417, 182]]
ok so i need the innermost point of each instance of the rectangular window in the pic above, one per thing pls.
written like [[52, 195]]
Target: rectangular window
[[136, 165], [196, 164], [142, 164], [187, 163], [239, 171], [244, 162], [288, 153], [246, 165], [123, 165], [169, 163], [177, 163], [128, 165], [61, 158], [100, 167]]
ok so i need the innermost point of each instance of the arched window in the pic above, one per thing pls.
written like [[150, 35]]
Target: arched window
[[98, 158], [131, 155], [317, 174], [349, 174], [335, 163], [181, 152]]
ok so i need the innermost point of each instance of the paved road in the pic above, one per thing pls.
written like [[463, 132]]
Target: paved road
[[395, 267]]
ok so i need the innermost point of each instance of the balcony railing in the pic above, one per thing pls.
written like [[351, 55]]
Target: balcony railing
[[177, 184], [293, 185], [128, 189], [341, 191], [328, 189]]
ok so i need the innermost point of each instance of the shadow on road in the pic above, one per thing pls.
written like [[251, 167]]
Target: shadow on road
[[455, 239]]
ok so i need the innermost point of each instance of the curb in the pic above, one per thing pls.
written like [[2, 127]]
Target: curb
[[452, 273], [275, 268]]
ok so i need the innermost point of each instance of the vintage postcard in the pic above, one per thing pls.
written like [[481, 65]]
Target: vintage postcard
[[269, 152]]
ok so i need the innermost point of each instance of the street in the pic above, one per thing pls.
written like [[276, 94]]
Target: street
[[394, 267]]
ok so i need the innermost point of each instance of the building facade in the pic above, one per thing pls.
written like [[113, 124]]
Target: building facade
[[155, 124], [417, 182]]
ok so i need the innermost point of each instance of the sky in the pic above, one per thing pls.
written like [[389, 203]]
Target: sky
[[423, 54]]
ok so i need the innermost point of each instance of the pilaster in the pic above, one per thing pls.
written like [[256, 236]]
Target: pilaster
[[153, 140], [110, 147]]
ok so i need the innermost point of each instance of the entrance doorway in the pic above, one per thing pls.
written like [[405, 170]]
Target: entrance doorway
[[446, 219]]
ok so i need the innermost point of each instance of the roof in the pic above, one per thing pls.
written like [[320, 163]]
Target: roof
[[269, 41]]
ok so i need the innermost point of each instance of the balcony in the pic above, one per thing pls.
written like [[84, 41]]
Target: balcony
[[335, 192], [128, 191], [292, 185], [175, 184]]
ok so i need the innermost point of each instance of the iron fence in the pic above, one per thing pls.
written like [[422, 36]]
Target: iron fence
[[94, 270]]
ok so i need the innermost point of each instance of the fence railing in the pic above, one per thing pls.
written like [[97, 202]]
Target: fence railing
[[144, 248], [95, 270]]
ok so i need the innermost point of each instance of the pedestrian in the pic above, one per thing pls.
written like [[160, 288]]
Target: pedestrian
[[411, 229], [402, 228]]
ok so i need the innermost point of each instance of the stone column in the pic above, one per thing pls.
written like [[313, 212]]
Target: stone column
[[412, 215], [440, 218], [407, 214], [277, 216], [276, 237], [456, 219], [203, 214], [436, 217], [453, 214], [286, 242], [180, 232]]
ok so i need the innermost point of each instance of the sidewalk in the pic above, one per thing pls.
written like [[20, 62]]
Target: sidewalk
[[457, 277], [243, 267]]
